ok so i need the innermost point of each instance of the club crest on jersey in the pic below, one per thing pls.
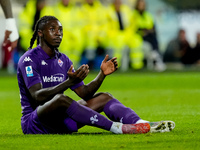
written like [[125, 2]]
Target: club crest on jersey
[[26, 59], [60, 62], [29, 71]]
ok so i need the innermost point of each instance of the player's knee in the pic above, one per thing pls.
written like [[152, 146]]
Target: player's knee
[[110, 95], [63, 100], [105, 96]]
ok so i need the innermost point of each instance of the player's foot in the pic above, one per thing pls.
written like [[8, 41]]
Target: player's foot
[[135, 128], [162, 126]]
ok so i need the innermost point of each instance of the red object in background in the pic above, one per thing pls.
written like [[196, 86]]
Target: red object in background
[[6, 54]]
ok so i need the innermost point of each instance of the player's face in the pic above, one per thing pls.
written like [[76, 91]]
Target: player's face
[[53, 33]]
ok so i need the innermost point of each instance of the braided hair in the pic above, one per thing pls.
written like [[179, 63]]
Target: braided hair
[[39, 26]]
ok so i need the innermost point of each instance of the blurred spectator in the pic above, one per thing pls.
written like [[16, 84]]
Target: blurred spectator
[[197, 46], [94, 31], [196, 51], [122, 39], [71, 17], [11, 34], [146, 28], [27, 20], [179, 50]]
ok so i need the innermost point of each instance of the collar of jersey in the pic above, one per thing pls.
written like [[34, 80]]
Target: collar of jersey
[[45, 54]]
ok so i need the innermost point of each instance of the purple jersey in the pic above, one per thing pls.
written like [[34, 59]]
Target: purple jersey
[[35, 66]]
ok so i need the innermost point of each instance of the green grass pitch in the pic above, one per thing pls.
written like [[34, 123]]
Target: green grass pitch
[[154, 96]]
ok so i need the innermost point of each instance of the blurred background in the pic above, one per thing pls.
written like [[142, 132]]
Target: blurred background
[[154, 34]]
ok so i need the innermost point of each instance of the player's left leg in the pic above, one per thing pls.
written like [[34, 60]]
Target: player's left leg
[[117, 112]]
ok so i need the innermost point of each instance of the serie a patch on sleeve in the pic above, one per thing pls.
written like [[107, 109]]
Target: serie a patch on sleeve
[[29, 71]]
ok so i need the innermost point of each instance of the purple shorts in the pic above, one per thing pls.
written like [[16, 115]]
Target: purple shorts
[[31, 124]]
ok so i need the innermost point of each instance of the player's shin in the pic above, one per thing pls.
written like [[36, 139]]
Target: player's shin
[[116, 111], [87, 116]]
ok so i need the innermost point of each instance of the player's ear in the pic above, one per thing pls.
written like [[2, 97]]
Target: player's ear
[[40, 33]]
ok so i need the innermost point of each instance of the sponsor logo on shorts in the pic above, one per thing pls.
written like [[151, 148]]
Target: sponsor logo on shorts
[[29, 71], [54, 78]]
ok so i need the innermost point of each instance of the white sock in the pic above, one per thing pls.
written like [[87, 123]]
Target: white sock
[[142, 121], [116, 128]]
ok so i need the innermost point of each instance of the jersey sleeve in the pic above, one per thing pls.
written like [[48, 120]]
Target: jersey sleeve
[[76, 85], [30, 72]]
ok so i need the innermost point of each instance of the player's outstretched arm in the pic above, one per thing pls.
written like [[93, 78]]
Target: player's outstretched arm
[[86, 92]]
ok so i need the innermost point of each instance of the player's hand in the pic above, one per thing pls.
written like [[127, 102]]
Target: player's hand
[[7, 40], [79, 75], [109, 66]]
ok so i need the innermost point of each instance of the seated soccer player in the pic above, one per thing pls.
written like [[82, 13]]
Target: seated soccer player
[[44, 74]]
